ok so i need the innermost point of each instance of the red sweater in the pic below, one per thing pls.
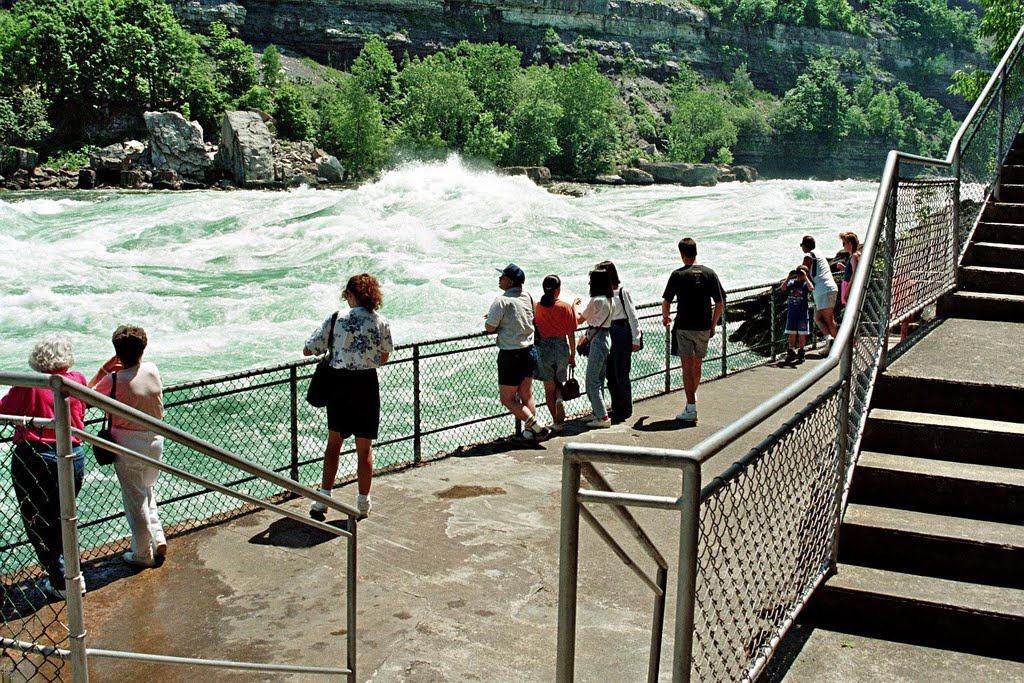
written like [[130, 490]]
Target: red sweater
[[34, 402]]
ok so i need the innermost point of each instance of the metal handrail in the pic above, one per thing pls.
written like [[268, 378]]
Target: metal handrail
[[78, 653]]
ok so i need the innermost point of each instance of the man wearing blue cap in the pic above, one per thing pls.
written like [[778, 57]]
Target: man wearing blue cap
[[512, 317]]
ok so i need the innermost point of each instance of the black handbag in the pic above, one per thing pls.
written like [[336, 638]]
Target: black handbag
[[102, 455], [318, 394], [571, 388]]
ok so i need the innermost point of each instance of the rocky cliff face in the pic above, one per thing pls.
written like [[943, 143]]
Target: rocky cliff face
[[652, 35]]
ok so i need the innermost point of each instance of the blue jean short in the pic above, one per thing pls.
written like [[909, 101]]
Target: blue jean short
[[553, 363]]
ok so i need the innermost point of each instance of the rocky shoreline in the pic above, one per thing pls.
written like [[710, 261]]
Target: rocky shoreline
[[249, 155]]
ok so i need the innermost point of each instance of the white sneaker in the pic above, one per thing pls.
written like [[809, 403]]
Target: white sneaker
[[689, 414], [600, 422], [318, 507], [363, 504]]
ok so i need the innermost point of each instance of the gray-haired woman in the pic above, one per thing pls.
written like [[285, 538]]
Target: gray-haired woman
[[34, 463]]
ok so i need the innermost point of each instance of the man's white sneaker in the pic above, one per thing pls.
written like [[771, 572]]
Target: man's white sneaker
[[688, 415], [600, 422], [363, 504], [318, 507]]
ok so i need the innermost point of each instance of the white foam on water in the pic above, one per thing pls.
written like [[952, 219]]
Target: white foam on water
[[228, 280]]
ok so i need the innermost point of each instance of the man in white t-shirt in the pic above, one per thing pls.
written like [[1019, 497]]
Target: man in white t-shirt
[[511, 316]]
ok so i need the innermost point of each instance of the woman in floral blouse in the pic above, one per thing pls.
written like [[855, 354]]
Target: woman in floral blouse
[[362, 343]]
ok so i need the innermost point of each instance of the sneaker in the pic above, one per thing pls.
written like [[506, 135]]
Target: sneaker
[[363, 504], [790, 356], [53, 591], [134, 560], [800, 355], [600, 422], [689, 414], [160, 552], [541, 431], [529, 435], [318, 507]]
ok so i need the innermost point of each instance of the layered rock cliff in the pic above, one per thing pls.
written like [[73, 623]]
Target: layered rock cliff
[[650, 35]]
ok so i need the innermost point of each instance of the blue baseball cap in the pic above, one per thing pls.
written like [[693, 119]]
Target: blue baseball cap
[[513, 273]]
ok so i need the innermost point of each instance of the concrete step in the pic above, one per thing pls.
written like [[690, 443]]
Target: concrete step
[[1003, 233], [940, 487], [1013, 174], [933, 545], [968, 617], [945, 437], [983, 306], [992, 280], [817, 655], [1004, 212], [996, 255], [949, 397], [1012, 193]]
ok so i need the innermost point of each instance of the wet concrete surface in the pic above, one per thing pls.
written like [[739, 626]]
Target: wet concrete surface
[[458, 569]]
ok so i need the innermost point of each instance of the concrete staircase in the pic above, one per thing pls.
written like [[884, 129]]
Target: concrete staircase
[[931, 555]]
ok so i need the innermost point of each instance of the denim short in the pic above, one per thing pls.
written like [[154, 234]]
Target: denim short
[[553, 362], [515, 365]]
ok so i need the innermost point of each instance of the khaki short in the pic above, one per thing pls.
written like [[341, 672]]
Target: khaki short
[[692, 343]]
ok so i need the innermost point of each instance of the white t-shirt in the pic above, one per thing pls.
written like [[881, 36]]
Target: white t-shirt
[[600, 311], [139, 387]]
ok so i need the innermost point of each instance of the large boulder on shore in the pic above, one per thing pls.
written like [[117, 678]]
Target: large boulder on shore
[[117, 157], [684, 174], [634, 176], [330, 169], [176, 144], [538, 174], [246, 147]]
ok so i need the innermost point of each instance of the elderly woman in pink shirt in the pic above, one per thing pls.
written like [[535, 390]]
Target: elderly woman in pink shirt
[[34, 461]]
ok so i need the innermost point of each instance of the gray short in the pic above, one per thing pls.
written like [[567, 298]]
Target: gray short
[[824, 298], [692, 342], [554, 359]]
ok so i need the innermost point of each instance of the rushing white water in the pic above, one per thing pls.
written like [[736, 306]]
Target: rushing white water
[[228, 280]]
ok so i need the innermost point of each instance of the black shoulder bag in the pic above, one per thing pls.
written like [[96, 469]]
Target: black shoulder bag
[[319, 392], [102, 455]]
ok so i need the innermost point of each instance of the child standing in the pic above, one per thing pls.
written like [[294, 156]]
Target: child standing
[[798, 287]]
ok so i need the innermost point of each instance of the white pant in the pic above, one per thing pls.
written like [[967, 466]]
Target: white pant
[[137, 481]]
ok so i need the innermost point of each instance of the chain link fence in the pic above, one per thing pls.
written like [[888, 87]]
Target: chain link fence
[[765, 538]]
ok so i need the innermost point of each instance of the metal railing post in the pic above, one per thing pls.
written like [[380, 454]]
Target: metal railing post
[[725, 345], [351, 581], [890, 269], [73, 583], [843, 444], [957, 184], [293, 387], [771, 325], [668, 359], [686, 584], [1000, 133], [417, 413], [657, 627], [568, 568]]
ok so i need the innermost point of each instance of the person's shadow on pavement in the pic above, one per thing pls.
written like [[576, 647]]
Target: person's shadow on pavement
[[642, 425]]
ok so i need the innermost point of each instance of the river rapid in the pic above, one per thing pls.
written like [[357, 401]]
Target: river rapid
[[224, 281]]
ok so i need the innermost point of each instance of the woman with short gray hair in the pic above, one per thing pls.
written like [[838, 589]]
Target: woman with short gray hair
[[34, 461]]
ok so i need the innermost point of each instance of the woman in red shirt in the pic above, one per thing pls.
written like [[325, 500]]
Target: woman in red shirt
[[34, 463], [556, 327]]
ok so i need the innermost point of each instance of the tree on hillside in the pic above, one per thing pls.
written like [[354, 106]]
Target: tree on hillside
[[700, 124], [271, 68], [587, 136], [1001, 22], [375, 71], [352, 126], [491, 70], [295, 118], [438, 108], [815, 108], [534, 121], [234, 60]]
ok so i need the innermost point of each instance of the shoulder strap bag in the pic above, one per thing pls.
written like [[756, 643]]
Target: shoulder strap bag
[[318, 393], [102, 455]]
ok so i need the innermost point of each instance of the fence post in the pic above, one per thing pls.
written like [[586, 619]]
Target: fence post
[[686, 586], [73, 583], [568, 568], [417, 415], [843, 442], [668, 359], [293, 385], [956, 215], [725, 344], [890, 271], [350, 600], [996, 191], [771, 324]]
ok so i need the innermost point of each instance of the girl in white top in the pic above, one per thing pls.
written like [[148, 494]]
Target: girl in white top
[[139, 386], [598, 314]]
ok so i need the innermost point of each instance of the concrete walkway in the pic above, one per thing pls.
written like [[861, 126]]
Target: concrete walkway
[[458, 569]]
